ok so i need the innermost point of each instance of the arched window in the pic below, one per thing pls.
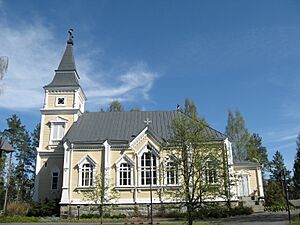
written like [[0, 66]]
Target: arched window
[[211, 175], [171, 173], [86, 172], [148, 169], [87, 175], [124, 174]]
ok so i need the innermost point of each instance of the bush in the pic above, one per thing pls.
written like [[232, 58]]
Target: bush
[[18, 209], [45, 208], [220, 211], [19, 219]]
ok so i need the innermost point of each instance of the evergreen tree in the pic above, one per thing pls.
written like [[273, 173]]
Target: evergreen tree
[[296, 177], [274, 196], [115, 106], [2, 172], [276, 168], [190, 108], [238, 133], [135, 109], [256, 152], [24, 156]]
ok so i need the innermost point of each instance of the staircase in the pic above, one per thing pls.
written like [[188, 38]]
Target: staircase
[[253, 202]]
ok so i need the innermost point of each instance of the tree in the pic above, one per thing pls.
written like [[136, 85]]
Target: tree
[[238, 133], [199, 163], [276, 168], [24, 156], [115, 106], [190, 108], [256, 152], [274, 197], [35, 137], [296, 169], [99, 194]]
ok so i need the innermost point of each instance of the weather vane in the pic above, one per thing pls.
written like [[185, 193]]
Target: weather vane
[[70, 41]]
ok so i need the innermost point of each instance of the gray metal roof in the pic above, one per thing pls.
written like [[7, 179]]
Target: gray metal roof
[[66, 74], [5, 146], [125, 126]]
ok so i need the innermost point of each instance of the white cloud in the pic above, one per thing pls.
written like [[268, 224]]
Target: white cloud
[[34, 54]]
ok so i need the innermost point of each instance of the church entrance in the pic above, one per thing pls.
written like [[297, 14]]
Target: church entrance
[[243, 185]]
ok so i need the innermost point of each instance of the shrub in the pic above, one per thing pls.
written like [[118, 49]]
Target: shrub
[[45, 208], [18, 209], [241, 210]]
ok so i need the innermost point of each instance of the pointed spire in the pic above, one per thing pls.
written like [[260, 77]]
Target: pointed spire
[[68, 62], [66, 74]]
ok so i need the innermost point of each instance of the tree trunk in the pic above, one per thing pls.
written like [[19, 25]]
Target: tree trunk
[[189, 214]]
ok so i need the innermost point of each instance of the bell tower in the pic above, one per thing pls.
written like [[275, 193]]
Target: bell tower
[[64, 102]]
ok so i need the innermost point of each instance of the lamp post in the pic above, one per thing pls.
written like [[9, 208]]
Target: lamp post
[[151, 177], [283, 173]]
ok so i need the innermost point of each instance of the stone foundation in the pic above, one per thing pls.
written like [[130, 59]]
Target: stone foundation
[[130, 210]]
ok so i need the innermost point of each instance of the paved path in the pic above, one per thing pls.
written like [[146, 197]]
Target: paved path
[[266, 218]]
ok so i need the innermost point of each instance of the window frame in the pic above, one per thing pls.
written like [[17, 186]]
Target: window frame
[[144, 168], [52, 180], [60, 97], [130, 171], [87, 160], [171, 169]]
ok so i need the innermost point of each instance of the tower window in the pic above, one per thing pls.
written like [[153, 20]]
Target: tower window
[[60, 100]]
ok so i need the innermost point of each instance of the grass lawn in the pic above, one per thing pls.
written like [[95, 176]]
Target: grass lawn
[[110, 222]]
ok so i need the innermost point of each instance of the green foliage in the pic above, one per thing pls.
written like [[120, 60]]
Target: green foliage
[[256, 152], [24, 157], [274, 198], [98, 194], [296, 177], [190, 108], [19, 219], [45, 208], [277, 166], [238, 133], [211, 211], [106, 215], [195, 158], [115, 106]]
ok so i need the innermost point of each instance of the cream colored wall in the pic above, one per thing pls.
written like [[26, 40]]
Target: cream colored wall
[[46, 127], [76, 156], [51, 103], [252, 178]]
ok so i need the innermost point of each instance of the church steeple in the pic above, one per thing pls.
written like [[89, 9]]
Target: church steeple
[[66, 74]]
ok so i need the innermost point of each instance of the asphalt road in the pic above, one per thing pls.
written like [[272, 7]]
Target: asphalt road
[[265, 218]]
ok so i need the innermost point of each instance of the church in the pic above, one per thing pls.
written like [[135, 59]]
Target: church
[[76, 145]]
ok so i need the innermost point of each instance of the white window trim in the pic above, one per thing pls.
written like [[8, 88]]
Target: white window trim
[[170, 159], [86, 160], [207, 168], [155, 152], [57, 121], [65, 101], [124, 159]]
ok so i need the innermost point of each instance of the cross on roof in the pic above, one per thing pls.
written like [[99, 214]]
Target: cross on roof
[[148, 121]]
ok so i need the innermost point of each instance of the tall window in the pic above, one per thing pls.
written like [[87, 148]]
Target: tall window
[[58, 131], [211, 175], [87, 175], [125, 174], [54, 185], [172, 173], [148, 169]]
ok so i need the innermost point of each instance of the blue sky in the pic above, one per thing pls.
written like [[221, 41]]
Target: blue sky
[[152, 54]]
